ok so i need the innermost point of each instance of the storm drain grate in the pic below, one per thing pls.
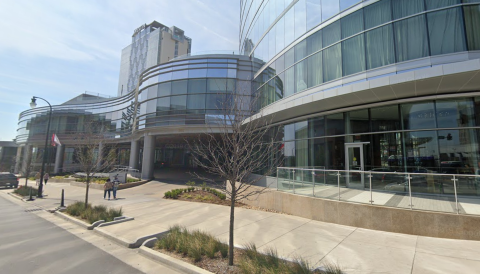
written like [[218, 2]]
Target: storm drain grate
[[32, 209]]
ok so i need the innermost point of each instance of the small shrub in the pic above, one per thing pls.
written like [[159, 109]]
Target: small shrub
[[25, 191], [204, 185], [75, 209], [93, 214], [132, 180]]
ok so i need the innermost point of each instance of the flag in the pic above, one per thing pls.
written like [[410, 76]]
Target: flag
[[55, 140]]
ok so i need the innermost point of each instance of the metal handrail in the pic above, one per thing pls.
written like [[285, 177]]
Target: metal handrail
[[300, 182]]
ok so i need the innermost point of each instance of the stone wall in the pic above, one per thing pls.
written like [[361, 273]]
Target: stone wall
[[415, 222]]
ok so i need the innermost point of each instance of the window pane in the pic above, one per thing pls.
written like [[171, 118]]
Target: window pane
[[301, 75], [331, 34], [290, 57], [164, 89], [197, 86], [317, 152], [377, 14], [403, 8], [332, 63], [217, 85], [352, 24], [411, 38], [418, 115], [300, 50], [179, 87], [163, 104], [314, 42], [290, 81], [280, 64], [280, 34], [385, 118], [289, 27], [422, 151], [353, 55], [215, 101], [344, 4], [178, 102], [358, 121], [316, 127], [216, 73], [314, 13], [472, 25], [300, 18], [315, 72], [196, 101], [329, 9], [197, 73], [335, 124], [455, 113], [379, 47], [445, 29], [181, 74], [435, 4]]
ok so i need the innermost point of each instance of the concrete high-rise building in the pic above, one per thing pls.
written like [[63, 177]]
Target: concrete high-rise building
[[152, 44]]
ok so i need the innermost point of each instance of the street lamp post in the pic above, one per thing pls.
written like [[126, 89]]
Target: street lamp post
[[33, 104]]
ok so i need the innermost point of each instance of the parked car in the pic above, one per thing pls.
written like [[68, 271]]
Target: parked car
[[8, 179]]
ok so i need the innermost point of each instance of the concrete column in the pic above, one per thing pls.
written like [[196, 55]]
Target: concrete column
[[27, 153], [148, 157], [134, 150], [100, 155], [18, 162], [59, 159]]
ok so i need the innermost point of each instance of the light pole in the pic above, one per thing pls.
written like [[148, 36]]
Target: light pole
[[33, 104]]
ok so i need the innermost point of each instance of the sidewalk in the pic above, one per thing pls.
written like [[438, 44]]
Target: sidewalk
[[356, 250]]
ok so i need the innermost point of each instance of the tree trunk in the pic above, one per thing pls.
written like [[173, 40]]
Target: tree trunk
[[86, 191], [232, 218]]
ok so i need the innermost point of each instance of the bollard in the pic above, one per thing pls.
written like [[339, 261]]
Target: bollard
[[62, 203], [31, 197]]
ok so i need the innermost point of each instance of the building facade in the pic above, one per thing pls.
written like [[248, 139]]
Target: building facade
[[151, 45], [377, 84], [370, 85]]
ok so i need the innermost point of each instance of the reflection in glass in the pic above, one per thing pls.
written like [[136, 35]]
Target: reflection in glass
[[314, 13], [385, 118], [329, 9], [455, 113], [418, 115]]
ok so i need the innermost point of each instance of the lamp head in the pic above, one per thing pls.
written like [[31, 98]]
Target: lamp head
[[33, 103]]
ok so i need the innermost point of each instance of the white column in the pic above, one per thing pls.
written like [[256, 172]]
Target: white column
[[18, 162], [134, 150], [59, 159], [27, 153], [100, 155], [148, 157]]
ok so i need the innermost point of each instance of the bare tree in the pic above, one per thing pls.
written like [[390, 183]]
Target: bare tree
[[234, 149], [28, 164], [92, 153]]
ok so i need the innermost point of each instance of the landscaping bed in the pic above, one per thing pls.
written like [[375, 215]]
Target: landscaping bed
[[92, 214], [23, 191], [203, 195], [205, 251]]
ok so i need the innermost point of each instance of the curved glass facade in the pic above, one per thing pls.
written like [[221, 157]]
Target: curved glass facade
[[440, 136], [191, 92], [69, 119], [307, 43]]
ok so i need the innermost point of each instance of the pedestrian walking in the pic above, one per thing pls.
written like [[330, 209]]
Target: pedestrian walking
[[37, 178], [116, 182], [107, 188], [46, 177]]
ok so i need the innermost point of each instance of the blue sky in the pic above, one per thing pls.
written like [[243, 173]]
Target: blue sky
[[58, 49]]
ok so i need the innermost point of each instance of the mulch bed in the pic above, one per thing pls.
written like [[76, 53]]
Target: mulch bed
[[216, 265], [205, 197]]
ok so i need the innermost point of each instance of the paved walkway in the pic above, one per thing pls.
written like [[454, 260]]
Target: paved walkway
[[356, 250]]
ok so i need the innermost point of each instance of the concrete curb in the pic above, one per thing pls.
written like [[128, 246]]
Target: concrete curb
[[16, 196], [177, 264], [122, 220], [75, 220], [135, 244]]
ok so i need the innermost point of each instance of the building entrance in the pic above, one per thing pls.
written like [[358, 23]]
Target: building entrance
[[354, 160]]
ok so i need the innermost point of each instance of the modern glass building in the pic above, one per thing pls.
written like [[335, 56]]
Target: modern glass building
[[392, 82], [377, 84]]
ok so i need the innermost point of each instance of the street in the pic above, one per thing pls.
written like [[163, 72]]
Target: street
[[30, 244]]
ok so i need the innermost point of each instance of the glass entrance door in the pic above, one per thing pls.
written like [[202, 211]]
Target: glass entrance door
[[354, 161]]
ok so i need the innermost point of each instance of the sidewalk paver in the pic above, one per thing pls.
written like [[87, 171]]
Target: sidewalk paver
[[356, 250]]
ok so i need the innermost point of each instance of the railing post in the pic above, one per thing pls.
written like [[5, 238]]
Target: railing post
[[302, 177], [293, 183], [338, 181], [455, 189], [313, 180], [410, 190], [371, 194], [277, 178]]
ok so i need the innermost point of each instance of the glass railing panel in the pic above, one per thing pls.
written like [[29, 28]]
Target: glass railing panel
[[352, 187], [468, 194], [432, 192], [388, 188], [326, 184], [284, 180]]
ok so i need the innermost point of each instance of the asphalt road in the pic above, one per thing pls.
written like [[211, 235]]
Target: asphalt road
[[30, 244]]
